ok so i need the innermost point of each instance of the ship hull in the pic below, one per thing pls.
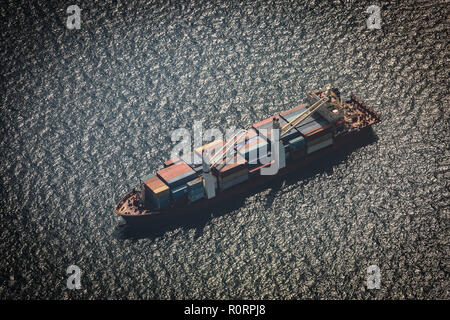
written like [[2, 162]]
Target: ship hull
[[341, 143]]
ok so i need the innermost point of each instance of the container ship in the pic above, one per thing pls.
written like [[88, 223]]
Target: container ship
[[222, 170]]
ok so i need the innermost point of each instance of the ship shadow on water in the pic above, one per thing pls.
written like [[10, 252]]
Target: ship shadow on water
[[200, 219]]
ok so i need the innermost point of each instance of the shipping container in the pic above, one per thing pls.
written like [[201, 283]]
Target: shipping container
[[320, 145], [177, 174], [195, 183], [256, 170], [242, 138], [196, 196], [251, 135], [195, 187], [318, 139], [233, 175], [194, 161], [156, 187], [294, 133], [296, 143], [210, 149], [161, 203], [178, 191], [317, 124], [293, 113], [254, 149], [229, 184], [263, 124], [196, 190], [223, 169]]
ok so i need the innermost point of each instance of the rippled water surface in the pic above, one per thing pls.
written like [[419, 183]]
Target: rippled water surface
[[85, 113]]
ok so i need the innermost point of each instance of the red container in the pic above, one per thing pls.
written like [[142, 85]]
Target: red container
[[288, 112], [266, 123], [209, 148], [154, 183], [170, 162], [318, 132], [256, 171], [176, 174], [251, 133], [224, 169]]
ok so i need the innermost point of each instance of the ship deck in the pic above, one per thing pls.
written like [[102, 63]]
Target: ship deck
[[358, 116]]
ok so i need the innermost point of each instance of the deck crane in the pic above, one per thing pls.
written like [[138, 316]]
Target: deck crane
[[228, 146], [291, 125], [283, 131], [231, 142], [209, 179]]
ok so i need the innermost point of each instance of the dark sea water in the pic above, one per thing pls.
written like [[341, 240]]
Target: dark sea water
[[85, 113]]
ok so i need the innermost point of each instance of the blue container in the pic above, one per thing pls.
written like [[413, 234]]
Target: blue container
[[256, 151], [196, 197], [291, 135], [179, 191], [313, 125], [297, 143], [161, 203], [240, 144], [234, 182], [284, 119], [196, 190]]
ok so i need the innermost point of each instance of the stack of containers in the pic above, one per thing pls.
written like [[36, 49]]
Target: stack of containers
[[254, 150], [193, 160], [155, 192], [312, 134], [297, 147], [290, 115], [257, 170], [179, 193], [209, 148], [176, 176], [264, 127], [320, 141], [196, 191], [231, 174], [318, 134], [251, 135]]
